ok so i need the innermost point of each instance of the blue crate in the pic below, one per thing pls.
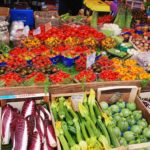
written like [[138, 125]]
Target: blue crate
[[55, 59], [29, 63], [68, 62], [25, 15], [3, 64]]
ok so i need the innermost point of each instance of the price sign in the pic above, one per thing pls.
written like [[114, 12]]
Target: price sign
[[90, 60], [37, 31], [48, 26], [76, 99]]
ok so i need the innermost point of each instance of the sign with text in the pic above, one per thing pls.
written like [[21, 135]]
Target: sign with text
[[37, 31], [90, 60], [76, 99]]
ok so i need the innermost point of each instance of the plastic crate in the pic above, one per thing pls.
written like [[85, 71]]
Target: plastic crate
[[27, 16], [55, 59]]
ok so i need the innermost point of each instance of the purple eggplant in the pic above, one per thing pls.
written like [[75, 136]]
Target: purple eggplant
[[45, 111], [21, 135], [50, 136], [35, 141], [7, 117], [28, 108], [40, 127]]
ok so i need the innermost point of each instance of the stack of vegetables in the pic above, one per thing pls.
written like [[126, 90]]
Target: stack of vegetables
[[128, 123], [83, 129], [28, 129]]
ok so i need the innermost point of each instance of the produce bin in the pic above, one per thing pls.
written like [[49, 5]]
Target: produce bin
[[18, 102], [69, 62], [104, 94], [55, 59], [55, 97]]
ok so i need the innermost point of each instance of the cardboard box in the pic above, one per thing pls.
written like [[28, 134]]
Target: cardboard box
[[4, 13]]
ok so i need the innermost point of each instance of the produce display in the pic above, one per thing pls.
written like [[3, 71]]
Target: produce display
[[104, 69], [108, 43], [128, 124], [74, 129], [29, 128], [116, 124], [111, 44], [141, 44], [81, 49]]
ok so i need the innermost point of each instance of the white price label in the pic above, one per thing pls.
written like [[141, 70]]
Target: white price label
[[90, 60], [37, 31], [48, 26], [76, 99]]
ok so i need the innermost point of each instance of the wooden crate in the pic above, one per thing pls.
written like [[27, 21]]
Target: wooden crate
[[143, 96], [4, 13], [67, 88], [17, 103], [53, 97], [127, 97]]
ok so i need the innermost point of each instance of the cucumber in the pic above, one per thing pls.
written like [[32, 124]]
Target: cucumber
[[113, 137]]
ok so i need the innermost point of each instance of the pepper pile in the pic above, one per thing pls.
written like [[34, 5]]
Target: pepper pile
[[60, 77], [11, 79], [105, 19], [38, 77], [109, 75], [129, 70], [86, 76], [31, 42]]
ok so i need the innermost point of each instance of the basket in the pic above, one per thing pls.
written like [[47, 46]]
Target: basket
[[43, 17], [69, 62], [127, 97], [55, 59]]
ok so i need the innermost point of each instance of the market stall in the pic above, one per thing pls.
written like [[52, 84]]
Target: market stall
[[61, 76]]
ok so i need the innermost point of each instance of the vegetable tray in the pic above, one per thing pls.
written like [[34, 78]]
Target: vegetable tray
[[19, 104], [54, 97], [104, 94]]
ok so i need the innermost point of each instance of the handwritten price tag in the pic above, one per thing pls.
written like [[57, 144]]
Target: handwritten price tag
[[37, 31], [48, 26], [90, 60], [76, 99]]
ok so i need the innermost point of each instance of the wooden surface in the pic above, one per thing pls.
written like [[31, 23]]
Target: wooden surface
[[67, 88]]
